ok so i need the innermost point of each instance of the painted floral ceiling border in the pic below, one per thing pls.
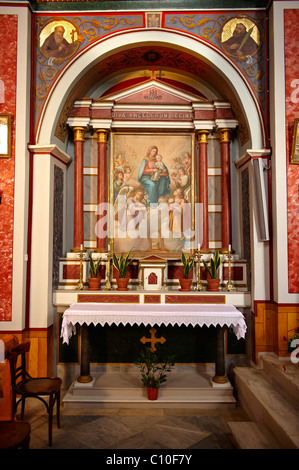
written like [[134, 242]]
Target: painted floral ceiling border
[[213, 29], [79, 31]]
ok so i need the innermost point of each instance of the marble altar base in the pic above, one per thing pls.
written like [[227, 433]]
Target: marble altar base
[[121, 387]]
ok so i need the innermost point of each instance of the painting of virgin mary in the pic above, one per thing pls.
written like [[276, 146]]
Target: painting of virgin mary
[[145, 189], [154, 187]]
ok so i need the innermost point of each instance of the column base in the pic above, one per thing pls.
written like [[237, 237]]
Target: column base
[[220, 379], [84, 379]]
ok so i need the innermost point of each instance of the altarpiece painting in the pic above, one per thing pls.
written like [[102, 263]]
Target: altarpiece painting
[[152, 193]]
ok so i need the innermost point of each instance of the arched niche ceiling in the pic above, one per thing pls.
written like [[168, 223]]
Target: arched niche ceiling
[[134, 64]]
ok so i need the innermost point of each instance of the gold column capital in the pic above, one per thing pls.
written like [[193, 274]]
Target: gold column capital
[[102, 135], [79, 134], [202, 136], [225, 135]]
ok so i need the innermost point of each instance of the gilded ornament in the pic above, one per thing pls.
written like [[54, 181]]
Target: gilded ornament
[[79, 133], [203, 136]]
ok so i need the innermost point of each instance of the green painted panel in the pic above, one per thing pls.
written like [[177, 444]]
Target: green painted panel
[[121, 344], [235, 346], [147, 4]]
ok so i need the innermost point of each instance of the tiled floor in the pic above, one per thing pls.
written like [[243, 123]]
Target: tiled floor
[[133, 428]]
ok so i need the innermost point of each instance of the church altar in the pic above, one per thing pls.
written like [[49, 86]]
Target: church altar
[[220, 316]]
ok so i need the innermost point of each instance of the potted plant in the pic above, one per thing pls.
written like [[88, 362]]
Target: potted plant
[[154, 368], [188, 263], [95, 279], [122, 264], [293, 341], [213, 281]]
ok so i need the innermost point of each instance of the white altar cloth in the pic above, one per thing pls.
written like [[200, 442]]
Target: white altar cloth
[[152, 314]]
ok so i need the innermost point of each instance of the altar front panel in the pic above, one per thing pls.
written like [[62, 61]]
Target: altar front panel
[[121, 344]]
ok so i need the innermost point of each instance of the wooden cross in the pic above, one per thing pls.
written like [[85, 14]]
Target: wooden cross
[[153, 340], [153, 70]]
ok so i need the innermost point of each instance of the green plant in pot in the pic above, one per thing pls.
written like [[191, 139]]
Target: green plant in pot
[[154, 367], [188, 263], [122, 264], [212, 269], [95, 279]]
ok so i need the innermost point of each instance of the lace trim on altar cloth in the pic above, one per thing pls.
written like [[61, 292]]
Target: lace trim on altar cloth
[[114, 314]]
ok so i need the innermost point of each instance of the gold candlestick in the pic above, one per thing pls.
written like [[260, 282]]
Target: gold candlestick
[[199, 285], [229, 286], [80, 284], [108, 283]]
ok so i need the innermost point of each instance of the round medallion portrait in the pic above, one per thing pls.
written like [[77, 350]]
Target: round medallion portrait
[[240, 37], [58, 39]]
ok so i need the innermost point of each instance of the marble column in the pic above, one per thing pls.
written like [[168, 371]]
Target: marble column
[[202, 184], [84, 376], [102, 195], [220, 375], [79, 134], [225, 139]]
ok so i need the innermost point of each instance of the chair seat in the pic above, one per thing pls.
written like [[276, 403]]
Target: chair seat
[[39, 386], [14, 434]]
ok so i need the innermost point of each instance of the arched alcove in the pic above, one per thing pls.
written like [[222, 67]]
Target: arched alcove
[[125, 58], [115, 62]]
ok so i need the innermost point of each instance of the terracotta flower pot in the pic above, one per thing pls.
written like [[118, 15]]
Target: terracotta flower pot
[[152, 393], [185, 284], [213, 285], [94, 283], [122, 283]]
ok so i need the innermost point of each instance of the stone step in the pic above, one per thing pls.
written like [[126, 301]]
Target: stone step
[[99, 401], [283, 372], [251, 435], [182, 389], [177, 384], [267, 403]]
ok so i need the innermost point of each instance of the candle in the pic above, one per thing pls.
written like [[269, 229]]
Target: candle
[[229, 248], [81, 247], [199, 247]]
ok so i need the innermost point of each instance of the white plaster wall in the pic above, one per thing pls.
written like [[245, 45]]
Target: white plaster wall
[[278, 142], [21, 186], [41, 302], [260, 250], [41, 259]]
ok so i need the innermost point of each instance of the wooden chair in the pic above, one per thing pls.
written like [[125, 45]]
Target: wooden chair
[[14, 435], [26, 386]]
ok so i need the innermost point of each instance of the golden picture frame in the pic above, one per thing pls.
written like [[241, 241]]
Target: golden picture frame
[[295, 143], [58, 40], [5, 135], [240, 37]]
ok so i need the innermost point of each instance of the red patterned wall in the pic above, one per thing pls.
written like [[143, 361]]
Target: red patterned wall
[[8, 61], [291, 24]]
